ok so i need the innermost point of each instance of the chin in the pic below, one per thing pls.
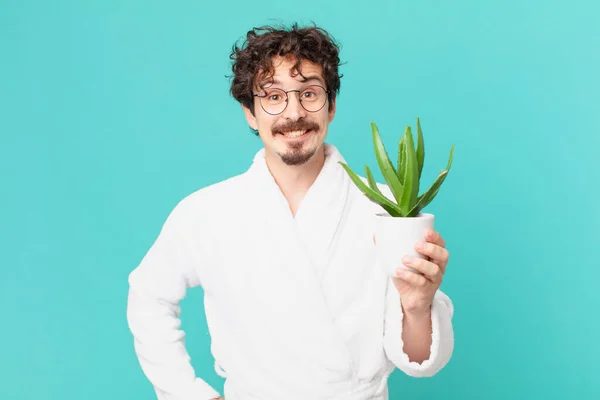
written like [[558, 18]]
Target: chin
[[297, 158], [299, 155]]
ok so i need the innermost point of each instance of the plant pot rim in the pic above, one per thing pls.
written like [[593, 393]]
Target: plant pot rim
[[418, 216]]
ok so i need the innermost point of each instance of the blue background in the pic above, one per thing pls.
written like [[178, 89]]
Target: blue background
[[113, 111]]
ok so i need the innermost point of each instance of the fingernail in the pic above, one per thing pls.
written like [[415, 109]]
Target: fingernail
[[419, 246], [407, 259]]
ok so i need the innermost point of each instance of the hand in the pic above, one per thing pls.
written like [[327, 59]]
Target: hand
[[417, 290]]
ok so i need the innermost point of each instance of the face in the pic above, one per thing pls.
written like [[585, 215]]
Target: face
[[292, 149]]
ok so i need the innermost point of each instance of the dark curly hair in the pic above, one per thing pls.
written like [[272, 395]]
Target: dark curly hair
[[255, 56]]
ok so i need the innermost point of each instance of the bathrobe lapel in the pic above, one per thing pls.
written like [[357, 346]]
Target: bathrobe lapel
[[314, 228], [300, 250], [322, 210]]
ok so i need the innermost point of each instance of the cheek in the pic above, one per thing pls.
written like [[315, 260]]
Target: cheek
[[264, 122], [326, 119]]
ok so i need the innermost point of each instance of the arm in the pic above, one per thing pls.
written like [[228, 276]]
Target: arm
[[416, 336], [156, 288], [428, 353]]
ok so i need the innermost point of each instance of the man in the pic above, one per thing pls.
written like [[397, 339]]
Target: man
[[295, 302]]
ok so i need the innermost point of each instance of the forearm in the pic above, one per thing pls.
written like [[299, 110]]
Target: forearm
[[417, 336]]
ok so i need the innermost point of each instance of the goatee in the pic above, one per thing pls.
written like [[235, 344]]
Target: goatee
[[297, 155]]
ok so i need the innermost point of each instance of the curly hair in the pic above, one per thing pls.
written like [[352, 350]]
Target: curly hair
[[252, 62]]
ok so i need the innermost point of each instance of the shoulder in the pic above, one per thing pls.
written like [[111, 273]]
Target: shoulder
[[216, 193], [201, 204]]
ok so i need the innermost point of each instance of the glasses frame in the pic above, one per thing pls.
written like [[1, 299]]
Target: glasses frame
[[287, 98]]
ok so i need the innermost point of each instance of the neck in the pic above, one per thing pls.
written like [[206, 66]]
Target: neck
[[295, 180]]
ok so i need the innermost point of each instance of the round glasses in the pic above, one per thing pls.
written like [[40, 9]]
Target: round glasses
[[274, 101]]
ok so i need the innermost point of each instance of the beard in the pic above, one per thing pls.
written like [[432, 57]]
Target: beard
[[296, 153]]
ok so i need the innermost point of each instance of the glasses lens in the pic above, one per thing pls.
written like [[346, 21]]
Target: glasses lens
[[273, 101], [313, 98]]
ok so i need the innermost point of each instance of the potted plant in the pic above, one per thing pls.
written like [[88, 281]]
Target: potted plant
[[403, 223]]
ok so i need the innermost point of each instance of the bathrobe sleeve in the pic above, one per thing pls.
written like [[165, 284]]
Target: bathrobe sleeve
[[156, 287], [442, 344]]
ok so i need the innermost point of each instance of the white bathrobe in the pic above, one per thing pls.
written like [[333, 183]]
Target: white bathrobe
[[297, 307]]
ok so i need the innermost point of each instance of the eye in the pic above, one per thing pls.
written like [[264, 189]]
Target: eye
[[274, 96]]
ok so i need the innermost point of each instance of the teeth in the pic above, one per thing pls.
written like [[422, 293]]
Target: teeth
[[294, 134]]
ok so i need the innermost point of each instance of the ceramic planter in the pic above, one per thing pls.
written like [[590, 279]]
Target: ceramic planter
[[397, 236]]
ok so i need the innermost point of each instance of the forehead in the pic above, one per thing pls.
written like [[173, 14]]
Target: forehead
[[285, 74]]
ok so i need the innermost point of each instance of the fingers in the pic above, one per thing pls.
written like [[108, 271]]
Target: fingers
[[433, 251], [434, 237], [430, 270], [437, 254], [413, 278]]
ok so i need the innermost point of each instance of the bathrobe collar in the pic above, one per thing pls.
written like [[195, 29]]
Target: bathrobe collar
[[319, 215]]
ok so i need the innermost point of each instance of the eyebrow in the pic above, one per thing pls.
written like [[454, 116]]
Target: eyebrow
[[307, 79]]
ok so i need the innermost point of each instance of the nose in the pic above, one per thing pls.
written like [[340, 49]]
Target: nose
[[294, 109]]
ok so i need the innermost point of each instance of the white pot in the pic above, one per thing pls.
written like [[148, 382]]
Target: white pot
[[396, 237]]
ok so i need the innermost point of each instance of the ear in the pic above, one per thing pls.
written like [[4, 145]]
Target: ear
[[251, 119], [332, 111]]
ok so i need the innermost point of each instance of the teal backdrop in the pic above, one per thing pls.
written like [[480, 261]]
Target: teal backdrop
[[113, 111]]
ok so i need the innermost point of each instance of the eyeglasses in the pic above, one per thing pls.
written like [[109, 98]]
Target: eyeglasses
[[274, 101]]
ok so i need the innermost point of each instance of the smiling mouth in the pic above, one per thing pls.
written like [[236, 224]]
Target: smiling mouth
[[296, 134]]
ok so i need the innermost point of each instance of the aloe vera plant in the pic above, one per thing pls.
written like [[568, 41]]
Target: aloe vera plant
[[404, 179]]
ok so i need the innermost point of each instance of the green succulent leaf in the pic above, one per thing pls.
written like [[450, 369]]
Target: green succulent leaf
[[411, 174], [373, 195], [450, 159], [429, 195], [420, 148], [401, 160], [371, 180], [423, 195], [387, 169]]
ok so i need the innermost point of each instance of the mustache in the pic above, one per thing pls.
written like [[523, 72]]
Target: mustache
[[299, 125]]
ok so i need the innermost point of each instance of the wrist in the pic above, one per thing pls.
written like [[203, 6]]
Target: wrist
[[418, 315]]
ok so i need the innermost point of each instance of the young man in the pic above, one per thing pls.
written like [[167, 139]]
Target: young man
[[295, 302]]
